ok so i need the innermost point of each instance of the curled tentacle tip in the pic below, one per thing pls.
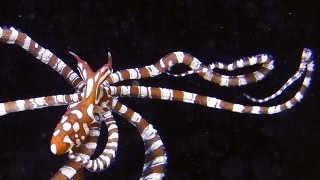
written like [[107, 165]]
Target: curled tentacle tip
[[76, 56], [73, 54], [109, 63]]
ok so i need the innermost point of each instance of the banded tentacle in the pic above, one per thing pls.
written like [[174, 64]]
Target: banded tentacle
[[155, 154], [167, 62], [267, 66], [305, 58], [73, 169], [105, 159], [176, 95], [37, 103], [12, 36]]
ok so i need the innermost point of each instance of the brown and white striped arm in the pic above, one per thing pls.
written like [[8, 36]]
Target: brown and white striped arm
[[12, 36], [109, 153], [187, 97], [267, 66], [155, 154], [73, 169], [37, 103], [305, 58], [165, 64]]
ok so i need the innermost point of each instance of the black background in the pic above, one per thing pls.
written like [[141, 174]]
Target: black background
[[202, 143]]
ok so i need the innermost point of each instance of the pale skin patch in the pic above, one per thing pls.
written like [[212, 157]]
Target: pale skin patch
[[53, 148], [86, 128], [90, 110], [76, 127], [66, 126], [56, 132], [77, 113], [89, 87]]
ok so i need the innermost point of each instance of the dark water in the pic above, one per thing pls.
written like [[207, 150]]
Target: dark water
[[201, 143]]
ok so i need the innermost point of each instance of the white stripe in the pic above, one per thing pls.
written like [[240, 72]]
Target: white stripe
[[68, 171], [120, 76], [41, 51], [220, 65], [271, 110], [154, 146], [153, 71], [165, 93], [91, 145], [160, 160], [306, 81], [89, 87], [64, 119], [114, 77], [148, 133], [123, 109], [258, 75], [106, 159], [136, 117], [213, 102], [240, 63], [26, 43], [149, 92], [242, 81], [46, 56], [83, 156], [153, 176], [1, 32], [13, 36], [94, 133], [60, 98], [114, 135], [289, 105], [2, 109], [264, 58], [224, 80], [111, 144], [255, 109], [74, 97], [73, 76], [101, 165], [298, 96], [179, 56], [109, 151], [61, 65], [20, 104], [253, 60], [170, 64], [195, 63], [237, 108], [161, 62], [56, 132], [189, 97], [73, 105], [208, 76], [112, 126], [143, 91], [133, 74], [230, 67], [125, 90]]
